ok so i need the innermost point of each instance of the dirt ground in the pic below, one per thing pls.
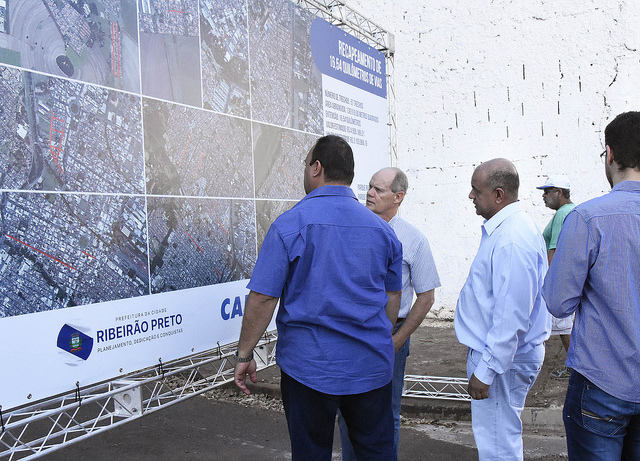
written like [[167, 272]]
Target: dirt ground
[[435, 351]]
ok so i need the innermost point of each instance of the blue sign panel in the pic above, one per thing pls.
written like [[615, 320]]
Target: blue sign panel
[[344, 57]]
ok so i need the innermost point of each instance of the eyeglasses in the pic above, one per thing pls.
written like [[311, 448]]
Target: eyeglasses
[[603, 156]]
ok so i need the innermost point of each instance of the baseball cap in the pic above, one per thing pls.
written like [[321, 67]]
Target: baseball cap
[[560, 181]]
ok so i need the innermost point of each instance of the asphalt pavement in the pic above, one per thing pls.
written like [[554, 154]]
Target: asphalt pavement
[[225, 425]]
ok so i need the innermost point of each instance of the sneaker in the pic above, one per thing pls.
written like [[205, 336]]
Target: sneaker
[[561, 373]]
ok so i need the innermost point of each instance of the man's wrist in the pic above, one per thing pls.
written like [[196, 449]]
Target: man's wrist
[[246, 359]]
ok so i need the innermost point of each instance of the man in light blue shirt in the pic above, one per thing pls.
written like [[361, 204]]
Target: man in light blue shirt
[[501, 316], [595, 273]]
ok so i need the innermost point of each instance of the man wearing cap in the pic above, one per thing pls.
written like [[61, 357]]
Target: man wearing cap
[[556, 195]]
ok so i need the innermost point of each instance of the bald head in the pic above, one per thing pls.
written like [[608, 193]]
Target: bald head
[[501, 173], [494, 185], [386, 192], [399, 181]]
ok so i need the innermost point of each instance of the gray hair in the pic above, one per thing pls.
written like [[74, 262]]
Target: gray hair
[[400, 182]]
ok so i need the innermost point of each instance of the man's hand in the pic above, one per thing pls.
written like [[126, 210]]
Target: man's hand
[[477, 389], [418, 312], [258, 311], [241, 371]]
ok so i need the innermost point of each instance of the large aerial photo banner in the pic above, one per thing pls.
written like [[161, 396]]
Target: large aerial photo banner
[[146, 146]]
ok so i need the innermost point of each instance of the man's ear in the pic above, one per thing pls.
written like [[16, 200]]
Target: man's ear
[[500, 195], [399, 197], [316, 168]]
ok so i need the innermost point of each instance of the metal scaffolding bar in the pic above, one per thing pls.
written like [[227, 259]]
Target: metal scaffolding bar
[[436, 387], [33, 431]]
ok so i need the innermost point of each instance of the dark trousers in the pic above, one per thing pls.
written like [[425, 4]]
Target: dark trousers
[[311, 417]]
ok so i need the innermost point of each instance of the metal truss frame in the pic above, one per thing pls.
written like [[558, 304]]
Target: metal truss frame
[[436, 387], [33, 431], [346, 18]]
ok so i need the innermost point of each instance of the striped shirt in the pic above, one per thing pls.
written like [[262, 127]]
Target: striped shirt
[[418, 268]]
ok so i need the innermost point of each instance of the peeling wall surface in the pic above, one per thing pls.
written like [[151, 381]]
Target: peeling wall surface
[[535, 82]]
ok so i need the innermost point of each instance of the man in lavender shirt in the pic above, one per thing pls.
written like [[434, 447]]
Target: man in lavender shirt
[[595, 272]]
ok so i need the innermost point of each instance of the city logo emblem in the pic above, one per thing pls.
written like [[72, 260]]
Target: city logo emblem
[[75, 342]]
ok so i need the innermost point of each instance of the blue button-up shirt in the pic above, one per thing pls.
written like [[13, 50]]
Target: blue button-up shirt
[[595, 272], [331, 260], [500, 311]]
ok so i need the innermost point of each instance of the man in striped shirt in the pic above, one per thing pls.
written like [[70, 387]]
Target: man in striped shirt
[[387, 189]]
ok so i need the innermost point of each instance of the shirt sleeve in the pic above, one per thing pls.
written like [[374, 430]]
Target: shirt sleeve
[[515, 286], [393, 281], [565, 280], [556, 227], [424, 275], [272, 267]]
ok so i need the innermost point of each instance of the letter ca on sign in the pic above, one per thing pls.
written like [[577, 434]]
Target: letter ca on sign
[[227, 311]]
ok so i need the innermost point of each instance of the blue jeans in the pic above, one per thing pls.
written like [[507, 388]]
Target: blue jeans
[[311, 417], [496, 423], [599, 426], [397, 386]]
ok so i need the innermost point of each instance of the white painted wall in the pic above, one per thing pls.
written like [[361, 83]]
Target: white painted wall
[[534, 81]]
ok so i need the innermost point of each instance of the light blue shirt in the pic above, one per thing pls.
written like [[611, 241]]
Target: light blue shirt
[[418, 267], [595, 272], [500, 311]]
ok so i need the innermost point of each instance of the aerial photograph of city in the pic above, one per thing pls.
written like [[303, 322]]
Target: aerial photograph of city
[[200, 241], [266, 213], [170, 50], [286, 85], [96, 42], [194, 152], [279, 156], [61, 250], [147, 146], [224, 49], [59, 134]]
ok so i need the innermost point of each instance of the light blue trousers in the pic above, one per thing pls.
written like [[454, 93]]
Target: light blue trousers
[[496, 423]]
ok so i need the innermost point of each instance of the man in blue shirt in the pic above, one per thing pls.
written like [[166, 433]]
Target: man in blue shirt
[[595, 273], [337, 270], [501, 316], [387, 189]]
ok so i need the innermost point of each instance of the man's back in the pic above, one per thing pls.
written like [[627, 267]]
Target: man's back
[[604, 289], [333, 332]]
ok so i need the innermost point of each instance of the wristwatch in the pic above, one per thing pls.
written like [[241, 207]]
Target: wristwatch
[[244, 359]]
